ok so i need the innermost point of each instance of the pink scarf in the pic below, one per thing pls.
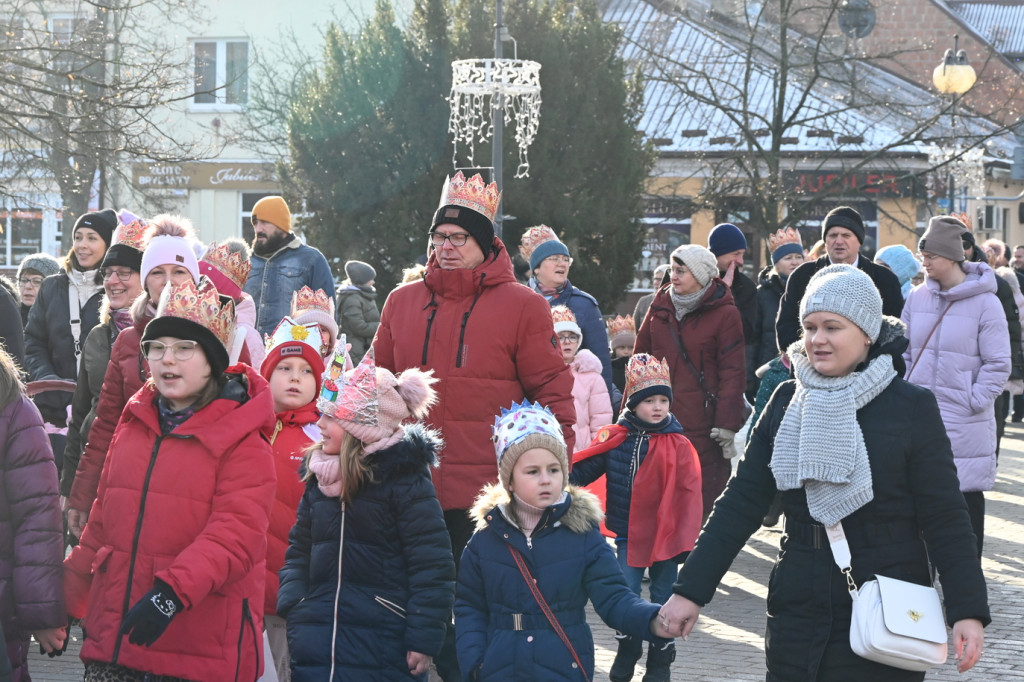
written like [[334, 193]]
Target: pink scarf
[[325, 468]]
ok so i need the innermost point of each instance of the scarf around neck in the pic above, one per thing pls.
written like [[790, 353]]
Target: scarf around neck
[[687, 303], [820, 445]]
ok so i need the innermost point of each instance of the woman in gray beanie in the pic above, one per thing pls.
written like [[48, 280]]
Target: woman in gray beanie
[[358, 314], [847, 440], [694, 325], [34, 268]]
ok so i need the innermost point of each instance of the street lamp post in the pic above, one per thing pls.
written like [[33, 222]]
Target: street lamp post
[[954, 76]]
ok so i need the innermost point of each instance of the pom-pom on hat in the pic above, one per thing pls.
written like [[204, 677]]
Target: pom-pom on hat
[[228, 266], [359, 273], [43, 263], [783, 243], [564, 320], [701, 262], [197, 314], [621, 331], [275, 211], [371, 403], [645, 377], [168, 241], [541, 242], [472, 205], [524, 427], [315, 306], [103, 222], [847, 291], [943, 238], [291, 340], [843, 216], [725, 238]]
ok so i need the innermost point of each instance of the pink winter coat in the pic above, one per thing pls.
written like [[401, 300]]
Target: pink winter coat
[[246, 334], [965, 364], [589, 392]]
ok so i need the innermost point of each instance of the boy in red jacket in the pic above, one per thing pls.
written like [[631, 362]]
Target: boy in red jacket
[[293, 368]]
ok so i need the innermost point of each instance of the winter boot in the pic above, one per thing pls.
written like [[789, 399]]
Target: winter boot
[[659, 662], [630, 651]]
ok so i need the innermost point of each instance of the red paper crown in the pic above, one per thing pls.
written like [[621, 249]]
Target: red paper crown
[[644, 371], [621, 325], [561, 313], [473, 194], [305, 300], [201, 305], [782, 237], [232, 264], [534, 237], [131, 235]]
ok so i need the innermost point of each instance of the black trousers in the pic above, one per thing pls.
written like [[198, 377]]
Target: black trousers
[[460, 530], [976, 510]]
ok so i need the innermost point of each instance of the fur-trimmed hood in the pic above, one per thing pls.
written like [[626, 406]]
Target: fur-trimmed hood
[[580, 512], [417, 449]]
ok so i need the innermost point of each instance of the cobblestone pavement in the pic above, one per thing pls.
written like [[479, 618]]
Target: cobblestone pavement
[[727, 643]]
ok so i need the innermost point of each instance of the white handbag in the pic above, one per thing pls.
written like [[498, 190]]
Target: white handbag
[[894, 622]]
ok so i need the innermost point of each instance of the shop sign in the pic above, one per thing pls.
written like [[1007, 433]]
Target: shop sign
[[876, 184], [196, 175]]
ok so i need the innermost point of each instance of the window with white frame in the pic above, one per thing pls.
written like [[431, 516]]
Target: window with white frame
[[221, 72]]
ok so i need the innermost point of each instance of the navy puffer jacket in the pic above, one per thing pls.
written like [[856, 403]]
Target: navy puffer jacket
[[621, 465], [397, 571]]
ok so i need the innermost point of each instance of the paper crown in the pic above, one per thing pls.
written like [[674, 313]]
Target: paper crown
[[289, 331], [520, 421], [201, 305], [621, 325], [305, 299], [130, 234], [351, 396], [232, 264], [964, 218], [783, 237], [534, 237], [564, 320], [473, 194], [644, 371]]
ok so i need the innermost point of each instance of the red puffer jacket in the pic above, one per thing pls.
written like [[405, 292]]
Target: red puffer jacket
[[192, 509], [295, 431], [490, 341], [712, 336]]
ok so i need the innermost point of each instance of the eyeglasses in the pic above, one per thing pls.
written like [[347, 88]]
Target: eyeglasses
[[123, 274], [568, 338], [457, 239], [183, 350], [34, 281], [927, 257], [679, 271], [559, 258]]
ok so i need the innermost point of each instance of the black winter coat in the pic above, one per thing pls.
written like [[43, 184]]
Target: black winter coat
[[916, 496], [770, 288], [397, 571], [744, 295], [12, 333]]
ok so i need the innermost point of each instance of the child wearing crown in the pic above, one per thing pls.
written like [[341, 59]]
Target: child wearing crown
[[537, 550], [170, 568], [368, 580], [621, 337], [293, 368], [654, 501], [589, 394]]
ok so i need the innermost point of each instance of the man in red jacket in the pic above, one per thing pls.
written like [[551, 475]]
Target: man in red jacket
[[488, 339]]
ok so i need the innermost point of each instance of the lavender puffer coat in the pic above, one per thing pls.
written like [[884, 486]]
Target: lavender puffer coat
[[965, 364]]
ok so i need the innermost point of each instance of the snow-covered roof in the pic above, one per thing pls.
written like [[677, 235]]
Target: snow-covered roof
[[1000, 23]]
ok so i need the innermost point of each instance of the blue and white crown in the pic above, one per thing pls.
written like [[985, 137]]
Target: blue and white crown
[[522, 420]]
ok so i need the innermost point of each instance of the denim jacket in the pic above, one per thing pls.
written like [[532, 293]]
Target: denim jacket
[[276, 277]]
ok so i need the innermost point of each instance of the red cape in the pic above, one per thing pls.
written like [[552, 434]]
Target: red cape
[[666, 508]]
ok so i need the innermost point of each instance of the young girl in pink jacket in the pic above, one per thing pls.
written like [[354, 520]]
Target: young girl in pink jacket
[[589, 392]]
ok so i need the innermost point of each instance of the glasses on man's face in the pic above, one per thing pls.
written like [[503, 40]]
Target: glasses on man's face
[[123, 274], [182, 350], [30, 281], [457, 239]]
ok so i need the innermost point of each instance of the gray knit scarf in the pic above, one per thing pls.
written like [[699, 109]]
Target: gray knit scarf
[[687, 303], [819, 444]]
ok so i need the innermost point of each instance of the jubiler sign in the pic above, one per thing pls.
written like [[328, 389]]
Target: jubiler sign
[[196, 175]]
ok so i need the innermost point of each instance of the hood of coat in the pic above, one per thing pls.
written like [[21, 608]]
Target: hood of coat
[[769, 278], [417, 450], [579, 513], [458, 284], [349, 289], [717, 295], [585, 361], [245, 400], [981, 279], [245, 311]]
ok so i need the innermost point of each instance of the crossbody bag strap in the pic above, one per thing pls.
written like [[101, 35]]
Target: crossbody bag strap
[[75, 320], [555, 625], [709, 397], [928, 338], [841, 554]]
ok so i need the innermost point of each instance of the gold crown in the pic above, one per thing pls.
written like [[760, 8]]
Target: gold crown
[[561, 313], [472, 194], [131, 235], [644, 371], [621, 325], [201, 305], [964, 218], [534, 237], [781, 237], [305, 299], [232, 264]]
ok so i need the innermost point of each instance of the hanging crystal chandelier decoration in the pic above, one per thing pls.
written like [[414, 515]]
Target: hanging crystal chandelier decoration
[[966, 166], [480, 86]]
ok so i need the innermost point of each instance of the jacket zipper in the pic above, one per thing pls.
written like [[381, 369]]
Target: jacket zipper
[[426, 337], [135, 543], [246, 620], [465, 319], [634, 463]]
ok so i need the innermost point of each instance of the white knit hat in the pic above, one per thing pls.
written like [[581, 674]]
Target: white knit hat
[[701, 262], [846, 291]]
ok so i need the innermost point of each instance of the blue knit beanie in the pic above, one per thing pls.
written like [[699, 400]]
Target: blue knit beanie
[[900, 260], [552, 247], [726, 238]]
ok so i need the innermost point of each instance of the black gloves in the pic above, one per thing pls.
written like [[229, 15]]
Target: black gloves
[[151, 615]]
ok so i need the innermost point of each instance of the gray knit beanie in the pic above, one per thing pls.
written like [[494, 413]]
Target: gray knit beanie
[[942, 238], [846, 291], [43, 263], [701, 262], [359, 273]]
